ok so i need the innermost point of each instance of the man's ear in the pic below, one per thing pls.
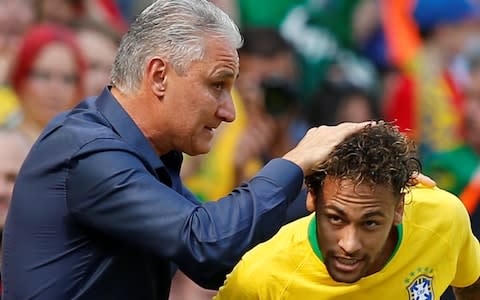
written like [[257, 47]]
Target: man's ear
[[398, 217], [311, 200], [157, 75]]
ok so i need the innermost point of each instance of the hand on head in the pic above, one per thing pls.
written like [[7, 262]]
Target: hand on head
[[319, 142]]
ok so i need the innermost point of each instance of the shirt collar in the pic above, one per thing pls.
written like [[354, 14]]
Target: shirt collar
[[125, 127], [312, 237]]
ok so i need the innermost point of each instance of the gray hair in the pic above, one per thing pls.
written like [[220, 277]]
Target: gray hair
[[173, 29]]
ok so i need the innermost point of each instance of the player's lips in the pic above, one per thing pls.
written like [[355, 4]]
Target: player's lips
[[346, 264]]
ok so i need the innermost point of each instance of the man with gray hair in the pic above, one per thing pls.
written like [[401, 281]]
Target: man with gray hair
[[99, 210]]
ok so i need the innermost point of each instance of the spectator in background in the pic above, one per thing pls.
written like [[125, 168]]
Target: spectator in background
[[107, 12], [127, 10], [228, 6], [16, 16], [426, 100], [334, 103], [470, 195], [58, 11], [322, 32], [456, 169], [356, 106], [68, 12], [13, 150], [99, 44], [268, 85], [47, 76]]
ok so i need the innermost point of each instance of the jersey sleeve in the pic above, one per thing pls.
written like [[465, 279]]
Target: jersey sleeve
[[240, 285], [468, 263]]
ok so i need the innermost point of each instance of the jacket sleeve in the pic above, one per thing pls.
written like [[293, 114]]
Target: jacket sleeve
[[113, 192]]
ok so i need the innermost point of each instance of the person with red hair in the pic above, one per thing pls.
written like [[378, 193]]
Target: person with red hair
[[47, 76]]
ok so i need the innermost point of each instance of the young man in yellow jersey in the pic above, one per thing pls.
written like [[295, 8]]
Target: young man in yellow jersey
[[373, 235]]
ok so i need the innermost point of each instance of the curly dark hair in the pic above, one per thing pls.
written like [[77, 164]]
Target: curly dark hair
[[376, 155]]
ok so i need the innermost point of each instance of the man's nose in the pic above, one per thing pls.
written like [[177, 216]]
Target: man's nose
[[226, 110], [350, 241]]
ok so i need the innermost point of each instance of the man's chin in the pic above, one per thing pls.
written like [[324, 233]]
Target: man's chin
[[344, 279], [345, 276], [198, 151]]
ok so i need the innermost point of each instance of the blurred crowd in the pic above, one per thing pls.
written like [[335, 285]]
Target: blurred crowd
[[303, 63]]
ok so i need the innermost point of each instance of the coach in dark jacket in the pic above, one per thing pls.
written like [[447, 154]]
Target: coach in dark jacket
[[99, 211]]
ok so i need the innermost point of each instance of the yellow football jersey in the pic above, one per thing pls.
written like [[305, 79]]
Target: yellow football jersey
[[436, 249]]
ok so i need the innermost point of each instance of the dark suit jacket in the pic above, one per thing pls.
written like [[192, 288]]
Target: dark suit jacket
[[96, 214]]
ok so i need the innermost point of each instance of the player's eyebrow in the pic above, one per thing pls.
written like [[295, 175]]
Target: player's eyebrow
[[373, 214], [336, 209]]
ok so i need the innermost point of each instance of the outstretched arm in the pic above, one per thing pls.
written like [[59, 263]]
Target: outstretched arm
[[471, 292]]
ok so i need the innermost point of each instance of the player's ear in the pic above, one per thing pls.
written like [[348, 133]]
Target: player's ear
[[311, 200], [397, 219]]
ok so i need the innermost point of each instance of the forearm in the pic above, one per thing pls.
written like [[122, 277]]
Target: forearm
[[471, 292], [249, 215]]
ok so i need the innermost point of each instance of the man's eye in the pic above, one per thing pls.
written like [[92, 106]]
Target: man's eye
[[335, 219], [371, 224], [219, 85]]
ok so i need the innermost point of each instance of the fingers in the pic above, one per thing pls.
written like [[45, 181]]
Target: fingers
[[423, 179], [349, 128], [319, 142], [342, 130]]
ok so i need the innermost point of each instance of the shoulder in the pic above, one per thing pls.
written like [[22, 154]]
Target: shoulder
[[71, 137], [82, 125], [437, 211], [78, 130], [290, 236], [431, 201], [270, 264]]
